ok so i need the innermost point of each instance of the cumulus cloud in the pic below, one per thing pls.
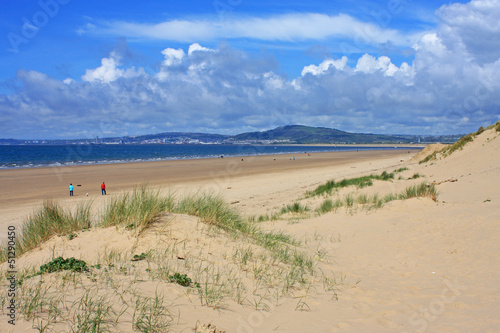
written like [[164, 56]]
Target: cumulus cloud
[[325, 66], [109, 71], [227, 90]]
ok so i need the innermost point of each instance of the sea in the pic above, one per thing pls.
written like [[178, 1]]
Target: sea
[[33, 156]]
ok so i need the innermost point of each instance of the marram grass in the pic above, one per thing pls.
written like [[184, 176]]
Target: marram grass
[[136, 210], [51, 220]]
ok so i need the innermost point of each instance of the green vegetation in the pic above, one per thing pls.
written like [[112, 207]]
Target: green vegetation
[[296, 208], [326, 206], [214, 211], [183, 280], [50, 220], [360, 182], [136, 210], [459, 144], [420, 190], [151, 315], [60, 264]]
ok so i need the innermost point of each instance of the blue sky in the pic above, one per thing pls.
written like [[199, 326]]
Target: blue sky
[[75, 69]]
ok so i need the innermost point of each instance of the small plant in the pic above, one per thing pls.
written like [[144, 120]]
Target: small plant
[[138, 257], [151, 315], [415, 176], [349, 200], [60, 264], [183, 280]]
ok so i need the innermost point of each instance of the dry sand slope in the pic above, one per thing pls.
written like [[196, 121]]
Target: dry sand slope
[[413, 265]]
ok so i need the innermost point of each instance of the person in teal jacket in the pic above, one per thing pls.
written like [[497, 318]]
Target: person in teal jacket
[[70, 190]]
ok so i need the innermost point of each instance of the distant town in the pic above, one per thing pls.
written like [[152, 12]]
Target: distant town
[[292, 134]]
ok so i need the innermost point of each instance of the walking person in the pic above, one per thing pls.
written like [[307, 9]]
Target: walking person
[[103, 189], [70, 190]]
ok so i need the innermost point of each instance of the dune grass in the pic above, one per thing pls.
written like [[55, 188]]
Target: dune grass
[[360, 182], [51, 220], [136, 210], [295, 208], [214, 211], [419, 190], [446, 151]]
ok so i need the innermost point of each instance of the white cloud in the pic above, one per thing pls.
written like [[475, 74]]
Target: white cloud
[[370, 64], [109, 71], [198, 48], [172, 56], [325, 66], [452, 86], [284, 27]]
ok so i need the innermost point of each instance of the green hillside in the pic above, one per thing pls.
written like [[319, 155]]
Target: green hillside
[[306, 134]]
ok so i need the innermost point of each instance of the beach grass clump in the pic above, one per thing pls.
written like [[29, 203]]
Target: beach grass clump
[[151, 315], [400, 170], [273, 239], [296, 208], [213, 210], [415, 176], [419, 190], [459, 144], [359, 182], [51, 220], [429, 157], [325, 207], [136, 210]]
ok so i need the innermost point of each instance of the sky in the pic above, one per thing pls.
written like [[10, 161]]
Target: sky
[[80, 69]]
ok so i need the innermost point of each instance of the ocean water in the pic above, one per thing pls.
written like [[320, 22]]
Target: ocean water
[[30, 156]]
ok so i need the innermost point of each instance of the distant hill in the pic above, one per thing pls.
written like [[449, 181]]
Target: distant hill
[[306, 134], [297, 134]]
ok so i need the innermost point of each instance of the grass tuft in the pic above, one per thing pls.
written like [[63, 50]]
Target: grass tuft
[[295, 208], [136, 210], [420, 190], [360, 182], [213, 210], [51, 220]]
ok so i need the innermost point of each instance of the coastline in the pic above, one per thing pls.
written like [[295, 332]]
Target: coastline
[[75, 155], [27, 188], [436, 253]]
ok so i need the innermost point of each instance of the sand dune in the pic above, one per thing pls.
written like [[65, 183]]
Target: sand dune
[[415, 265]]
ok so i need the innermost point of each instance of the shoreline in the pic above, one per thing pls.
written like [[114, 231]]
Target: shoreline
[[355, 147], [25, 188]]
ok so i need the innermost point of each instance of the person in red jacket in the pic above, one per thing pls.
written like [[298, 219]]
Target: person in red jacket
[[103, 189]]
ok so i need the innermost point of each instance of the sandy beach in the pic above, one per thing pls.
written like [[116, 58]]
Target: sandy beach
[[415, 265]]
